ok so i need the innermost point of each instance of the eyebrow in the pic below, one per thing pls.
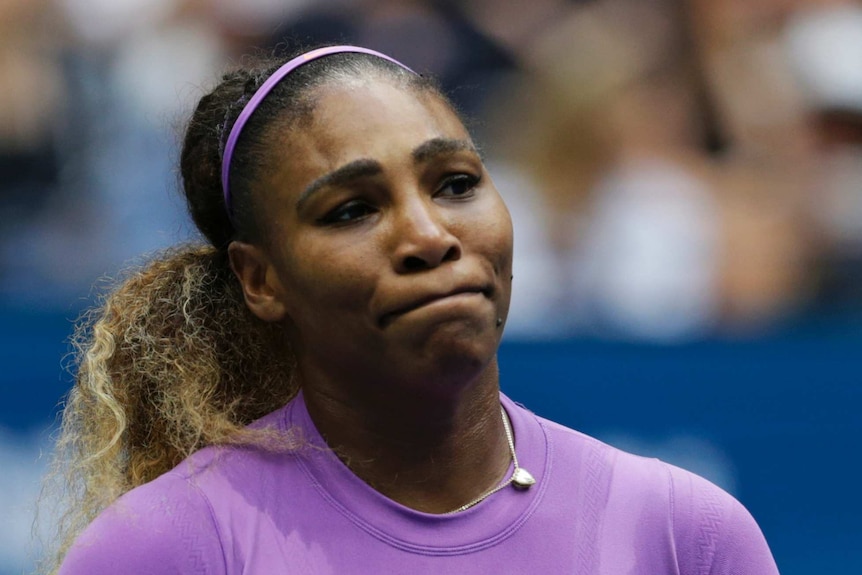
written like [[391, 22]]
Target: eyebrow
[[342, 176], [441, 147], [365, 167]]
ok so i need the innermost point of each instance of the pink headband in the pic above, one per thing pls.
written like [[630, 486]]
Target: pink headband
[[265, 89]]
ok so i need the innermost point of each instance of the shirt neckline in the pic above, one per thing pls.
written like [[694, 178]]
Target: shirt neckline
[[483, 525]]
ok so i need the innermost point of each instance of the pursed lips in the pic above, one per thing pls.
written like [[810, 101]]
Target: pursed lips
[[429, 298]]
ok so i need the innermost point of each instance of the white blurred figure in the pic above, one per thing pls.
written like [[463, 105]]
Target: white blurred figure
[[824, 46], [647, 264]]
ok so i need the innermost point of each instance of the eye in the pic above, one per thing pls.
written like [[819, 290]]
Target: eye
[[347, 213], [458, 186]]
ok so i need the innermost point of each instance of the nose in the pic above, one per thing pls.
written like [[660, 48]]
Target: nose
[[422, 238]]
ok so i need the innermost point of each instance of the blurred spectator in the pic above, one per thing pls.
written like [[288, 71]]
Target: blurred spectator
[[31, 89], [769, 243], [435, 37], [607, 128], [824, 45], [738, 45], [766, 164]]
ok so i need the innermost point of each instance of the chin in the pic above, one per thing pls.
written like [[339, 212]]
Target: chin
[[451, 361]]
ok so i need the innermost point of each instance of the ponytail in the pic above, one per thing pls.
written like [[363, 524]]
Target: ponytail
[[172, 362]]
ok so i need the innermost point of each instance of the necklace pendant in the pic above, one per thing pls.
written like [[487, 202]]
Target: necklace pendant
[[523, 479]]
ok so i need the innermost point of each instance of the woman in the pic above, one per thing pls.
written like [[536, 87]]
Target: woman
[[359, 271]]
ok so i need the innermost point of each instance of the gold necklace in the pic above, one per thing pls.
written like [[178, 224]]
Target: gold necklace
[[520, 478]]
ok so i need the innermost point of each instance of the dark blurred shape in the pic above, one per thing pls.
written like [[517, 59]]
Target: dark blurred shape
[[434, 37]]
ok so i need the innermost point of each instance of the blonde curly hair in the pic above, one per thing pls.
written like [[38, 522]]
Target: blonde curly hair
[[173, 361]]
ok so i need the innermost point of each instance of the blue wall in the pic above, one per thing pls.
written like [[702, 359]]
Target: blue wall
[[784, 412]]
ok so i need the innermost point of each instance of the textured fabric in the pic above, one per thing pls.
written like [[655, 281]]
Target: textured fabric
[[594, 510]]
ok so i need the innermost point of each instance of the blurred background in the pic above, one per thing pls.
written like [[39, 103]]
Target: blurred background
[[685, 178]]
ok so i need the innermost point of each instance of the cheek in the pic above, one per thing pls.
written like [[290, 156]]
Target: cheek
[[498, 236], [321, 281]]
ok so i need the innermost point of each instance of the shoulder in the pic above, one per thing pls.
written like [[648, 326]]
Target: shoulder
[[713, 530], [165, 527], [705, 528]]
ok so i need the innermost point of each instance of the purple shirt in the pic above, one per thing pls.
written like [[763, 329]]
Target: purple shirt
[[594, 510]]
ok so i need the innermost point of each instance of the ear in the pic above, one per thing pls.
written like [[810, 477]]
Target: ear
[[260, 284]]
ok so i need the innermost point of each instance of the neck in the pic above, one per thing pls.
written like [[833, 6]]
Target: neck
[[430, 453]]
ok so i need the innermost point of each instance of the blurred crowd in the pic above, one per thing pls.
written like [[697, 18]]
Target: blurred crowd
[[675, 168]]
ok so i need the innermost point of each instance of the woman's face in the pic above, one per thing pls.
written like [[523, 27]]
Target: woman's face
[[389, 247]]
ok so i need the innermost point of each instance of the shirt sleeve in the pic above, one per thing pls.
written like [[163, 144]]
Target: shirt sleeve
[[165, 527], [714, 533]]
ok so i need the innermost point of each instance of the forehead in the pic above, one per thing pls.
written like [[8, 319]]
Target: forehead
[[363, 118], [354, 107]]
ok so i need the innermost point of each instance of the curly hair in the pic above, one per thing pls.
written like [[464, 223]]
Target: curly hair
[[173, 360]]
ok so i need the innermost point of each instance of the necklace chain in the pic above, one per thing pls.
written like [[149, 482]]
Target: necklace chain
[[520, 477]]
